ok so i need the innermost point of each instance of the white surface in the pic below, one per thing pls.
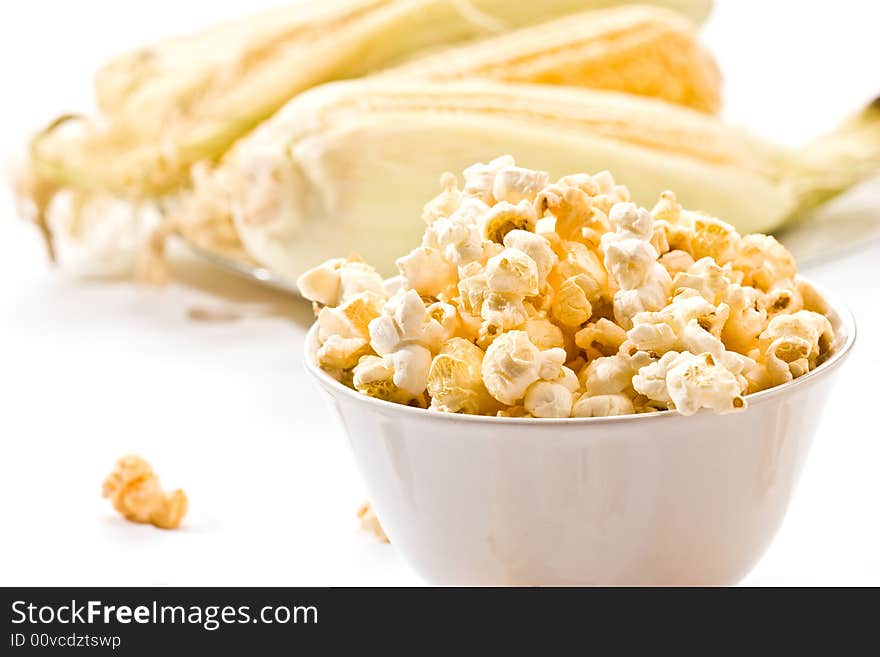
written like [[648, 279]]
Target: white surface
[[91, 371]]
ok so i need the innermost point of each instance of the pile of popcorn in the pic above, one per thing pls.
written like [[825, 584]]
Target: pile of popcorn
[[551, 300]]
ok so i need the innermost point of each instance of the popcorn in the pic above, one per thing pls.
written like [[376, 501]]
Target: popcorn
[[370, 522], [406, 337], [631, 260], [544, 334], [479, 179], [505, 217], [528, 298], [764, 262], [535, 247], [612, 375], [458, 235], [427, 271], [338, 280], [455, 382], [698, 234], [602, 406], [344, 330], [600, 338], [512, 272], [546, 399], [374, 377], [676, 261], [512, 364], [134, 490], [688, 382], [571, 305], [515, 184]]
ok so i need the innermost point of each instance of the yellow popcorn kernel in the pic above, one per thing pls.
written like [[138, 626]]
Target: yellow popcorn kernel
[[370, 522], [576, 259], [505, 217], [352, 318], [134, 490], [512, 363], [535, 247], [713, 238], [427, 272], [336, 281], [602, 406], [746, 320], [374, 377], [811, 327], [688, 382], [546, 399], [343, 331], [698, 234], [340, 353], [812, 298], [783, 300], [544, 334], [600, 338], [571, 305], [455, 382], [676, 261], [764, 263]]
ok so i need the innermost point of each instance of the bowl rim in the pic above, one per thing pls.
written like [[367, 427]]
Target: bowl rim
[[845, 324]]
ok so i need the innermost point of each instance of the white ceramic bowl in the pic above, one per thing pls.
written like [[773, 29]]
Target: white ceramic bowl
[[655, 499]]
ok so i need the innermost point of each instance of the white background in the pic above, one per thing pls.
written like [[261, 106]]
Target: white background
[[91, 371]]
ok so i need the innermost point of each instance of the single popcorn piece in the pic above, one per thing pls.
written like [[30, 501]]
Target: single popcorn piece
[[676, 261], [455, 382], [338, 280], [428, 272], [479, 179], [374, 377], [512, 364], [688, 382], [535, 247], [515, 184], [602, 406], [643, 283], [134, 490], [600, 338], [458, 235], [611, 375], [794, 345], [505, 217], [343, 331], [764, 262], [530, 298], [546, 399], [370, 522]]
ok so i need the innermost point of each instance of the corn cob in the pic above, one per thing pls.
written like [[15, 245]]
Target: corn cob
[[189, 99], [347, 166], [639, 49]]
